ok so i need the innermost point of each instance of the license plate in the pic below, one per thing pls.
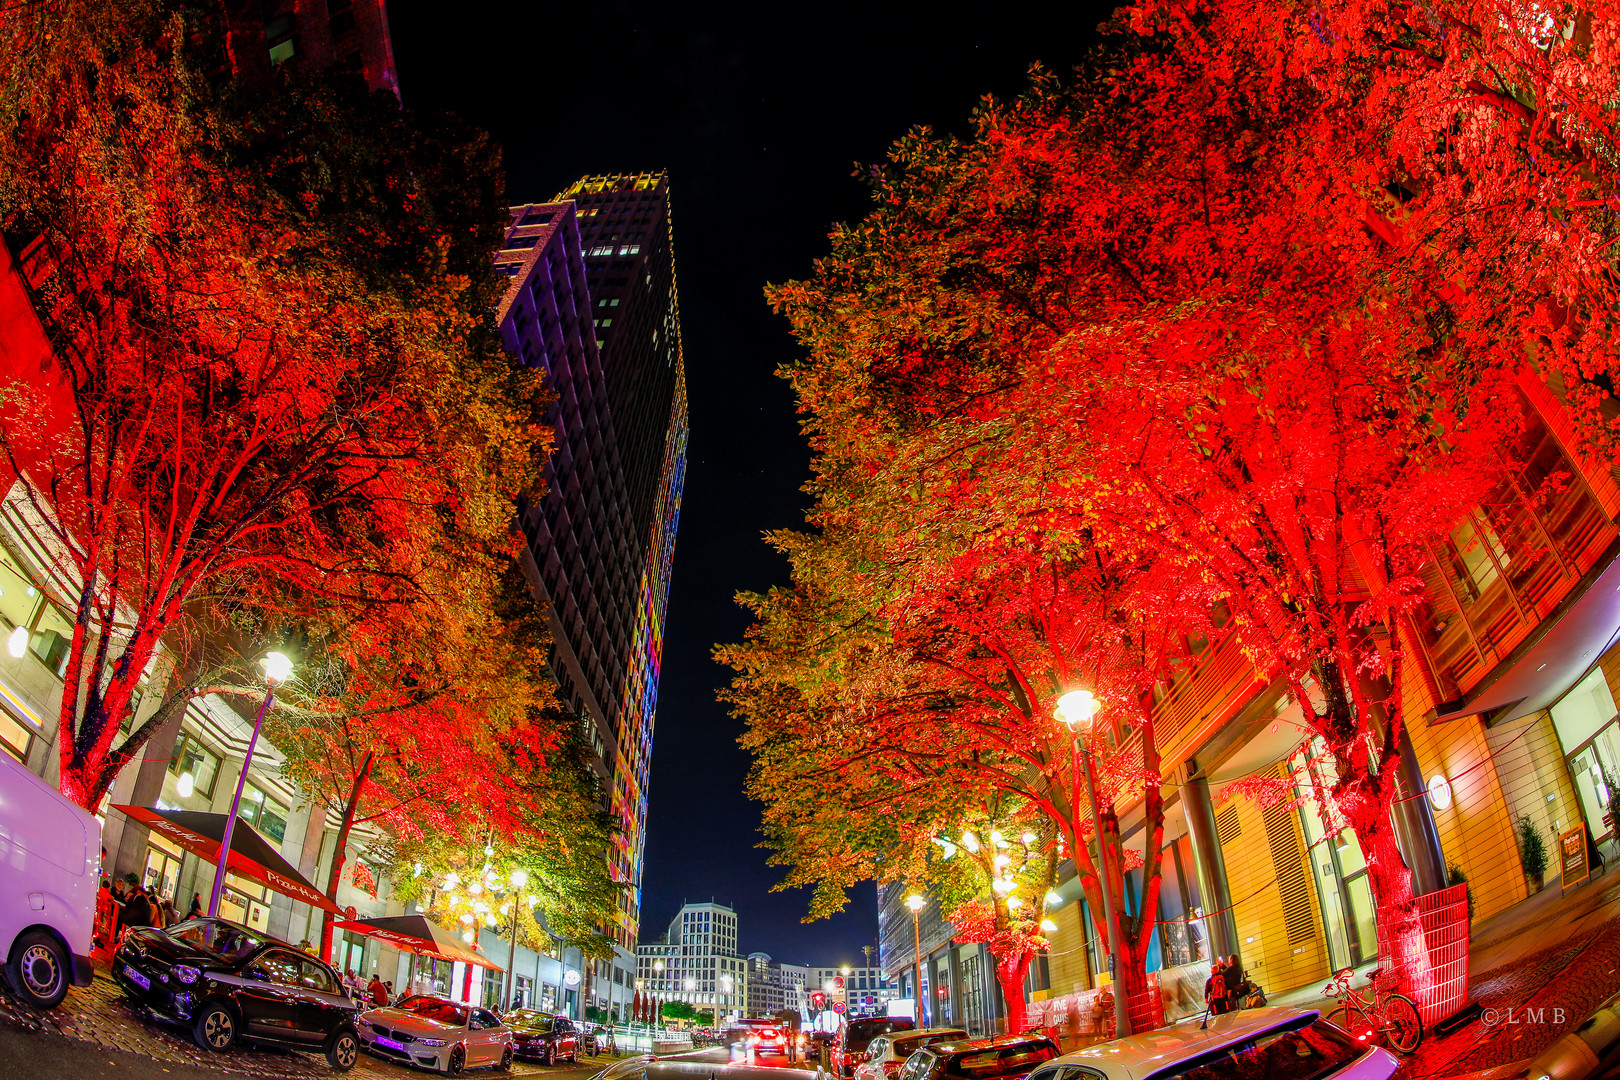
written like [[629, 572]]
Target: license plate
[[390, 1044], [137, 978]]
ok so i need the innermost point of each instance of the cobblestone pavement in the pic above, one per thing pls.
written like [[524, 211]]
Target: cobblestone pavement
[[1528, 1004], [98, 1015]]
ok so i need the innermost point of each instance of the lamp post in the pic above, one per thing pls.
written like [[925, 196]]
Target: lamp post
[[1076, 709], [520, 878], [277, 668], [915, 903]]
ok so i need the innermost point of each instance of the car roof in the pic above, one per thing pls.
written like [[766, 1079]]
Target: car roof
[[1137, 1056], [911, 1033], [967, 1045]]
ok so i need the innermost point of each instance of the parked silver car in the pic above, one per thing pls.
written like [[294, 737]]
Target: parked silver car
[[432, 1033]]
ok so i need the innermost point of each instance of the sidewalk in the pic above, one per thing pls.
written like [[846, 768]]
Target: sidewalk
[[1556, 953]]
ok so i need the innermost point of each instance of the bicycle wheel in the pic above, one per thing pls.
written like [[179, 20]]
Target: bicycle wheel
[[1403, 1026], [1353, 1019]]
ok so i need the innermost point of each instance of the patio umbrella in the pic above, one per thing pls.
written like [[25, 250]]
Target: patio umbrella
[[252, 856], [415, 934]]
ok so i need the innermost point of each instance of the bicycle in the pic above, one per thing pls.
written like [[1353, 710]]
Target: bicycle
[[1383, 1013]]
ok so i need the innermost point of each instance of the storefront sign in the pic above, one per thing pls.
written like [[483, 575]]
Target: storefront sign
[[1572, 852]]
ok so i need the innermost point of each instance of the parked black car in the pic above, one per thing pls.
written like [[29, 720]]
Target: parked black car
[[542, 1037], [226, 982], [1001, 1057]]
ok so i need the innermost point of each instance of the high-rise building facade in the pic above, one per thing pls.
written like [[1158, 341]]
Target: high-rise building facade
[[350, 35], [629, 259], [696, 961], [774, 986], [604, 329]]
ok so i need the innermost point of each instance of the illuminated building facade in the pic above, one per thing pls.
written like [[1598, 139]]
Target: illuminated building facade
[[591, 302]]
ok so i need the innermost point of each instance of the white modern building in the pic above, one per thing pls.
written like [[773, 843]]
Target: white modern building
[[696, 962], [774, 987]]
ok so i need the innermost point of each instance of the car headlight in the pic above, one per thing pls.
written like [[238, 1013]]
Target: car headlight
[[430, 1042], [186, 974]]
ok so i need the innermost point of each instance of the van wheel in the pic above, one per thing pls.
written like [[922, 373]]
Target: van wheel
[[342, 1049], [39, 969], [215, 1028]]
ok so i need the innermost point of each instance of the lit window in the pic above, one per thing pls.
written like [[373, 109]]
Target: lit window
[[630, 249], [281, 53]]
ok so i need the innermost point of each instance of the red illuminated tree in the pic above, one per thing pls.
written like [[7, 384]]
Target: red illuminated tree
[[1477, 141], [1139, 305], [274, 395]]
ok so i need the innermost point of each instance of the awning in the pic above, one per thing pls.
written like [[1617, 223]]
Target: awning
[[1570, 641], [415, 934], [252, 856]]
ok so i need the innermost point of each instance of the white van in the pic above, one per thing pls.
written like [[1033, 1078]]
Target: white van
[[50, 853]]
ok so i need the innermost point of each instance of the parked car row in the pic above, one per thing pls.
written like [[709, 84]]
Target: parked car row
[[1275, 1043], [228, 984]]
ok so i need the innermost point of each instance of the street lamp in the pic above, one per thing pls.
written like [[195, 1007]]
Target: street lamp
[[1076, 709], [277, 669], [916, 903], [520, 878]]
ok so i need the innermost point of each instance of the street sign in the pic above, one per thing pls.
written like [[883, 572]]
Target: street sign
[[838, 1006]]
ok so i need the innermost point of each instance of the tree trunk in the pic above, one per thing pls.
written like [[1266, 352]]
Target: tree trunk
[[1397, 911], [339, 856], [1010, 972]]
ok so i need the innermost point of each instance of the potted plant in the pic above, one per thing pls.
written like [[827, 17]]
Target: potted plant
[[1455, 876], [1532, 851]]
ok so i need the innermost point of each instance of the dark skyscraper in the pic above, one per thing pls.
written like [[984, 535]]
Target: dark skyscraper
[[592, 301]]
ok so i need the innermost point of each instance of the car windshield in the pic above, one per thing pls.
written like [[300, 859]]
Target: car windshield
[[231, 942], [434, 1009], [1302, 1053], [530, 1021], [1001, 1060]]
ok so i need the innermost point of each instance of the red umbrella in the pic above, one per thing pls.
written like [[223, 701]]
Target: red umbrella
[[252, 856], [635, 1008]]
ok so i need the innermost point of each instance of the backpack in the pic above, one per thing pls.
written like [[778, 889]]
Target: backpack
[[1217, 988]]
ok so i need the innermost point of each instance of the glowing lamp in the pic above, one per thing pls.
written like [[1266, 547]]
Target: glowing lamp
[[970, 841], [1048, 926], [520, 878], [17, 642], [1053, 899], [186, 785], [915, 902], [1439, 792], [277, 668], [1075, 709]]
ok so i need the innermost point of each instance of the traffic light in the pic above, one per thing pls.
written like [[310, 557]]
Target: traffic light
[[818, 1001]]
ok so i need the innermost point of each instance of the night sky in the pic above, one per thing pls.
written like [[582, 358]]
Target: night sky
[[759, 115]]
